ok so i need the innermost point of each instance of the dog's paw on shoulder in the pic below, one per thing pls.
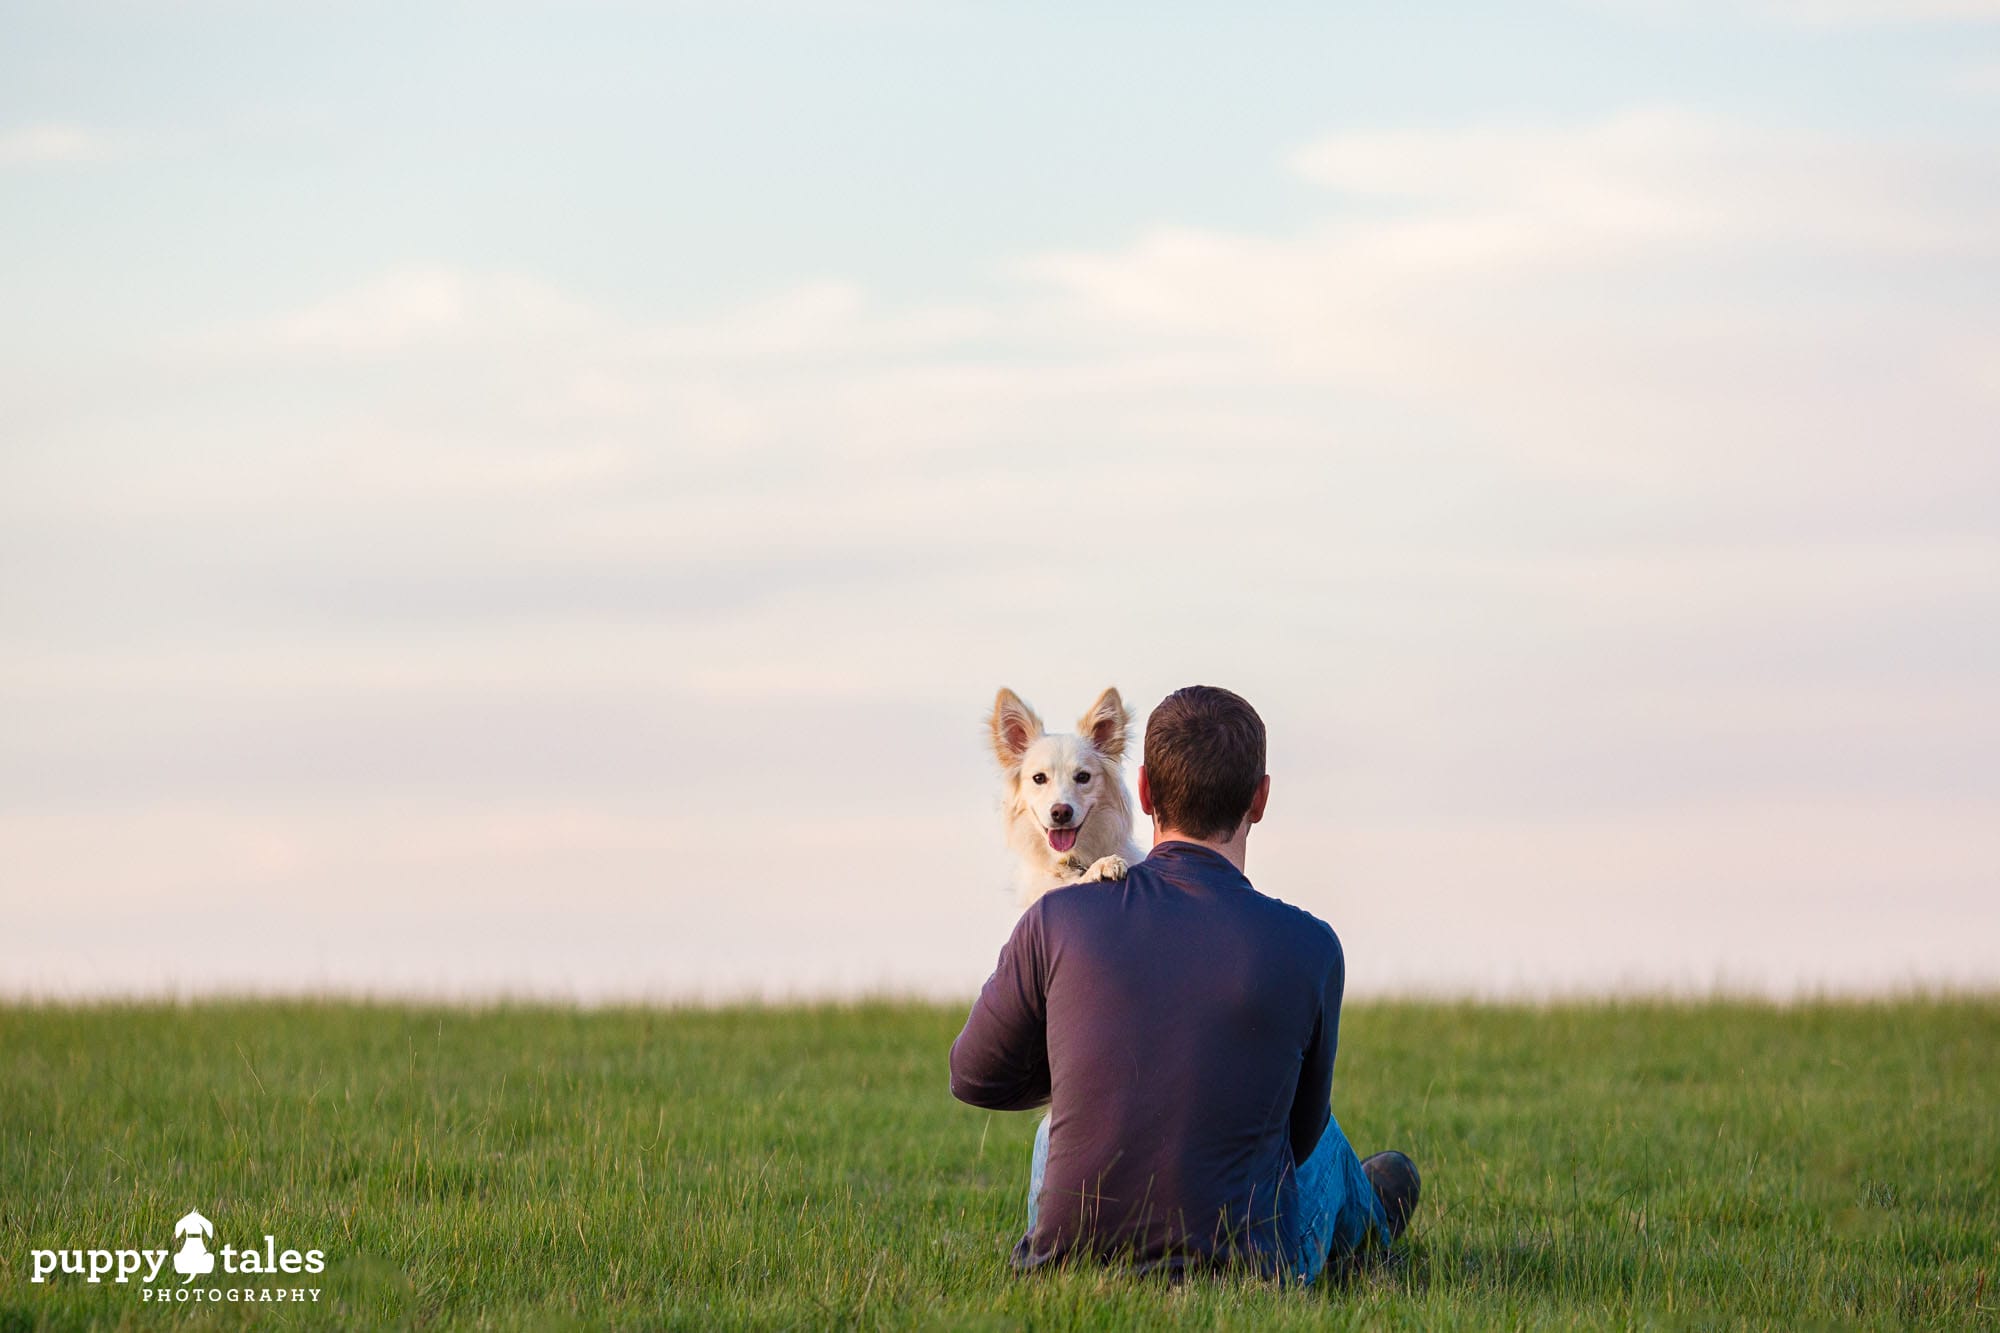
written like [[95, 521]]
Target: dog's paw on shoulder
[[1104, 867]]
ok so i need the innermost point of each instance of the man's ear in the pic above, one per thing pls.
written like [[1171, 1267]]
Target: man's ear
[[1145, 791], [1104, 725], [1262, 798], [1015, 728]]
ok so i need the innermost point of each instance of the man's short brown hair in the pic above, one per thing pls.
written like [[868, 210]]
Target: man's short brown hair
[[1204, 759]]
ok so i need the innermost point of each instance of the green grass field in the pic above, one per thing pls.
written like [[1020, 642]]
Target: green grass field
[[1704, 1166]]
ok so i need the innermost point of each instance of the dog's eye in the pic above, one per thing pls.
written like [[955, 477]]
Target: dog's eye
[[1082, 778], [1040, 778]]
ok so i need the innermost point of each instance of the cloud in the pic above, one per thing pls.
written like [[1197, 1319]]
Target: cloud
[[1568, 494], [1639, 293], [1645, 180], [1661, 304], [438, 309], [33, 145], [1491, 205], [402, 310], [1659, 294]]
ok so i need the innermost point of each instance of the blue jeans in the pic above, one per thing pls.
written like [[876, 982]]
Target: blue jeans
[[1338, 1210]]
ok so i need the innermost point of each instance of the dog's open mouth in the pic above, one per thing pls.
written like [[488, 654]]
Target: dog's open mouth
[[1062, 839]]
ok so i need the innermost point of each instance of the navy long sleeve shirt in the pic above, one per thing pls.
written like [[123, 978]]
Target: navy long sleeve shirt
[[1182, 1028]]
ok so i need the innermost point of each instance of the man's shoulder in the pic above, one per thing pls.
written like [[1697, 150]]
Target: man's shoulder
[[1066, 902], [1071, 901], [1309, 930], [1091, 899]]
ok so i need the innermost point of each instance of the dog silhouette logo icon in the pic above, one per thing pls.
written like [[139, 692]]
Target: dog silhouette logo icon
[[193, 1258]]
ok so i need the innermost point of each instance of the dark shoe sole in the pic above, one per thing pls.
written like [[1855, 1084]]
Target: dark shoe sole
[[1397, 1185]]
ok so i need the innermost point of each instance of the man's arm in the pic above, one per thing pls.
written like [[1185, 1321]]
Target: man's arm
[[1001, 1060], [1312, 1104]]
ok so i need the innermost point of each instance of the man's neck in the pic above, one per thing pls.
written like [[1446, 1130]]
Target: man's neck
[[1232, 848]]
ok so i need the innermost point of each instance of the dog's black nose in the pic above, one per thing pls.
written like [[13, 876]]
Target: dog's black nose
[[1059, 814]]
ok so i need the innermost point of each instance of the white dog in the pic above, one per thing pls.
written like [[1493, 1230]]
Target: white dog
[[1067, 814]]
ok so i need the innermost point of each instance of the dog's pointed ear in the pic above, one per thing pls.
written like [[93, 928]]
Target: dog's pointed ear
[[1104, 725], [1015, 728]]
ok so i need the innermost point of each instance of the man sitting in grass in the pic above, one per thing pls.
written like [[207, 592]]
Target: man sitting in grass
[[1181, 1026]]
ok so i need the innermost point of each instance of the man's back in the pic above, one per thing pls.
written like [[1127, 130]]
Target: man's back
[[1186, 1025]]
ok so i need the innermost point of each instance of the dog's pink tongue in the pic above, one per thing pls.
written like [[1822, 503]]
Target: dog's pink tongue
[[1062, 839]]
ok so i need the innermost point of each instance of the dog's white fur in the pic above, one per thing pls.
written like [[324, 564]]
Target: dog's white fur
[[1084, 771]]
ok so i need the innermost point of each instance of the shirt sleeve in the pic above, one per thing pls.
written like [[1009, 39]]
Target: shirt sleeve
[[1312, 1105], [1001, 1060]]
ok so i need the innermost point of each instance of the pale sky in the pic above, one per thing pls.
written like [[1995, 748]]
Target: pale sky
[[539, 498]]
